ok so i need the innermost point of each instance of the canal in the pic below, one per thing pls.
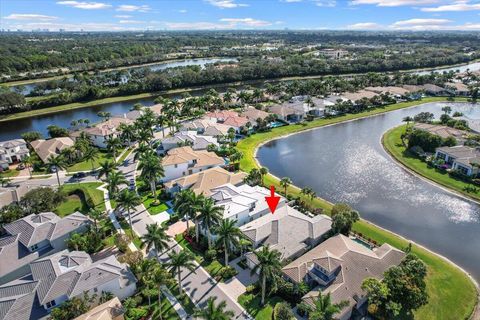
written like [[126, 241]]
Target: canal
[[347, 163]]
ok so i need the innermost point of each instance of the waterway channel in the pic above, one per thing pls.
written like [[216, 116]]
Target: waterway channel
[[347, 163]]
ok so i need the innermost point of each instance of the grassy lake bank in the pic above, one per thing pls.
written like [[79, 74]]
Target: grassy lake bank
[[453, 294]]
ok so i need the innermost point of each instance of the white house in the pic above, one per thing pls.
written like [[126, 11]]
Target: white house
[[184, 161], [104, 131], [462, 158], [187, 138], [12, 151]]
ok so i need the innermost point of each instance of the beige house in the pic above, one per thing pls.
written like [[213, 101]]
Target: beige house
[[252, 114], [110, 310], [358, 95], [51, 147], [203, 182], [338, 266], [391, 90], [442, 131], [184, 161]]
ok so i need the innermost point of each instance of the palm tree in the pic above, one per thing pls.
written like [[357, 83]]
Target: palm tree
[[128, 133], [214, 312], [28, 161], [210, 216], [141, 149], [407, 119], [91, 154], [228, 236], [151, 170], [263, 173], [128, 200], [308, 192], [106, 296], [114, 180], [186, 204], [177, 261], [323, 309], [106, 168], [267, 268], [155, 237], [244, 244], [113, 144], [57, 162], [284, 183], [161, 277], [96, 216]]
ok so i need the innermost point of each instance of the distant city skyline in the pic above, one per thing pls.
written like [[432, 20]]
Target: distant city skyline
[[120, 15]]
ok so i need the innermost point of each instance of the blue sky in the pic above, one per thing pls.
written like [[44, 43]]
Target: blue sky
[[118, 15]]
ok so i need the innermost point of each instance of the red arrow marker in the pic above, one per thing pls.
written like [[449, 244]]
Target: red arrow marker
[[273, 200]]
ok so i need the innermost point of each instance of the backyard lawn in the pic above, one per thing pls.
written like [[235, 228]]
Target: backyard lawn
[[93, 196], [448, 287], [73, 202], [87, 165], [393, 144], [251, 303]]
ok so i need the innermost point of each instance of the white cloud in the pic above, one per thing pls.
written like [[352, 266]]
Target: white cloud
[[122, 16], [85, 5], [131, 22], [393, 3], [133, 8], [457, 6], [325, 3], [246, 21], [182, 11], [365, 26], [72, 26], [29, 16], [226, 4], [290, 1]]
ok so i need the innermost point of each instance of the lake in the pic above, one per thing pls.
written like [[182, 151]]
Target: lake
[[347, 163]]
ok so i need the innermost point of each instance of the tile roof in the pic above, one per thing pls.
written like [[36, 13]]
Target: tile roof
[[51, 147], [252, 114], [388, 89], [203, 182], [16, 300], [287, 230], [283, 110], [199, 142], [109, 310], [442, 131], [228, 117], [12, 143], [187, 154], [358, 95], [351, 263]]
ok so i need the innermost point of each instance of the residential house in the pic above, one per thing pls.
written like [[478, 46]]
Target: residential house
[[203, 182], [206, 127], [51, 147], [462, 158], [12, 151], [242, 203], [60, 277], [397, 92], [358, 95], [252, 114], [338, 266], [458, 88], [14, 193], [287, 113], [104, 131], [187, 138], [157, 109], [229, 118], [442, 131], [110, 310], [435, 90], [34, 236], [288, 231], [184, 161]]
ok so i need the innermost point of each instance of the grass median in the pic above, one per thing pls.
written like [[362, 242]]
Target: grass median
[[452, 294]]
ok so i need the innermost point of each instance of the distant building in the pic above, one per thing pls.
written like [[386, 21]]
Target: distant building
[[229, 118], [333, 54], [187, 138], [34, 236], [338, 266]]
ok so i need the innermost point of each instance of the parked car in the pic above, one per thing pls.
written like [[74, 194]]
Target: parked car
[[21, 166]]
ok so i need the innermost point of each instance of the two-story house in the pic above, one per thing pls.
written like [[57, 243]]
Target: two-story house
[[12, 151], [51, 147], [462, 158], [184, 161], [187, 138]]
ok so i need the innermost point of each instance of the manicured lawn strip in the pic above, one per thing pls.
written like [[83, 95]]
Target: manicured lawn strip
[[251, 303], [393, 144], [90, 191], [152, 208], [9, 173], [125, 155], [72, 204], [87, 165], [449, 288], [74, 105]]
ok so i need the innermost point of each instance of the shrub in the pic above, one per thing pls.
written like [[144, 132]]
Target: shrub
[[250, 289], [210, 254], [174, 218], [282, 311], [228, 273], [122, 241]]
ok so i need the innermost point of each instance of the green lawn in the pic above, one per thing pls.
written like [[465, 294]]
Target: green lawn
[[153, 208], [251, 303], [89, 189], [393, 144], [73, 203], [449, 288], [87, 165], [9, 173]]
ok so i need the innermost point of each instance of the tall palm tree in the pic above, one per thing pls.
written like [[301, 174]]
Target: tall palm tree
[[128, 200], [114, 144], [161, 277], [323, 309], [263, 173], [106, 168], [91, 154], [210, 217], [267, 268], [58, 162], [114, 180], [128, 133], [214, 312], [155, 237], [228, 236], [179, 261], [28, 162], [151, 170], [96, 215], [186, 204], [284, 183], [141, 149]]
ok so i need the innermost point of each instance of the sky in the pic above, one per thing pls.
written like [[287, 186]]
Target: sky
[[124, 15]]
